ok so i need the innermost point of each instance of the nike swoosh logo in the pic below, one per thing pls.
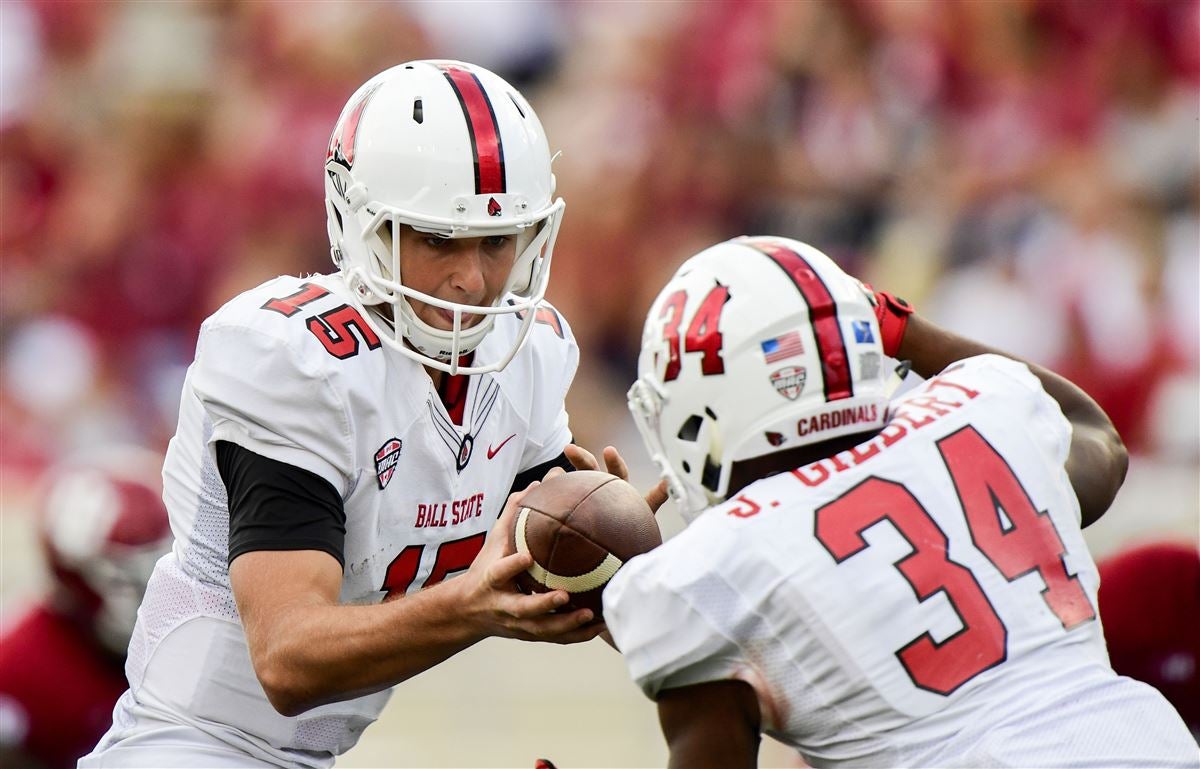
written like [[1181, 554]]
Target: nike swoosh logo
[[491, 452]]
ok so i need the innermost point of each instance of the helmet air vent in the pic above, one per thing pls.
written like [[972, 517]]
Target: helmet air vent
[[516, 104], [418, 112], [690, 428], [711, 477]]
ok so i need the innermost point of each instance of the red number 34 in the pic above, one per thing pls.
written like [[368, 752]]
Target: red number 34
[[703, 333], [1029, 542]]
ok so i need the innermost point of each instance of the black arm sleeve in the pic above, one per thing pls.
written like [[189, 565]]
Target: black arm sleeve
[[526, 477], [277, 506]]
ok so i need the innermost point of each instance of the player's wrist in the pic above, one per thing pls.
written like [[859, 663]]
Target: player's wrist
[[453, 613]]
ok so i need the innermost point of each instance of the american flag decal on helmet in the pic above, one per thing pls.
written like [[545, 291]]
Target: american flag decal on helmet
[[486, 148], [823, 314]]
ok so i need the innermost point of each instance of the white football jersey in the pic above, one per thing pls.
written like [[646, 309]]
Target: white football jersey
[[925, 599], [290, 371]]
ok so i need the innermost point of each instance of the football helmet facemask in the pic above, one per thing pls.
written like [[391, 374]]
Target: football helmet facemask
[[450, 149], [756, 345]]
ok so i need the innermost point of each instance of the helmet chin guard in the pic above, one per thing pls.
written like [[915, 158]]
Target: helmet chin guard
[[451, 149], [755, 346]]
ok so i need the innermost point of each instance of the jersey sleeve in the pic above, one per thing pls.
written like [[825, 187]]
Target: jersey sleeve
[[262, 393], [555, 360], [651, 611], [1030, 404]]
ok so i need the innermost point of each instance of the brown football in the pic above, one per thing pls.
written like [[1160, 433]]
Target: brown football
[[580, 528]]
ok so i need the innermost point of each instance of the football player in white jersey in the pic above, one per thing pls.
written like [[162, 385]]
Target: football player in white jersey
[[874, 581], [349, 439]]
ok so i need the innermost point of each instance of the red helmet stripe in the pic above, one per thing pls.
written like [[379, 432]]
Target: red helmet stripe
[[484, 130], [823, 314]]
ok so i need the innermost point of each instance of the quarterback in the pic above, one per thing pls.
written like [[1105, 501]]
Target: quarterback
[[346, 443], [875, 581]]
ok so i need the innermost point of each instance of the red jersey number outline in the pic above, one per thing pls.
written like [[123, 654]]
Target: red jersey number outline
[[986, 485], [333, 328], [453, 556]]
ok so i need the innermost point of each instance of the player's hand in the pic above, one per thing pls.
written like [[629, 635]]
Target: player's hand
[[493, 601], [582, 459]]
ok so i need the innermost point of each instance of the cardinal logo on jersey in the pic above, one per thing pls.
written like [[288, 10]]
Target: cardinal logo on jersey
[[385, 461], [493, 207], [789, 381]]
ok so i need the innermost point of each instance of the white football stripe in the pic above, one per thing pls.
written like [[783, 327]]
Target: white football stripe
[[578, 584]]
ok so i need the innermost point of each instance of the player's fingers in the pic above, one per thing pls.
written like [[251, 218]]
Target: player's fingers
[[531, 607], [515, 498], [501, 535], [565, 627], [581, 458], [657, 495], [585, 632], [504, 570], [552, 473], [513, 504], [615, 464]]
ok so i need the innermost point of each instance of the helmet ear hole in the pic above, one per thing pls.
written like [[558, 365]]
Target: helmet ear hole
[[690, 429]]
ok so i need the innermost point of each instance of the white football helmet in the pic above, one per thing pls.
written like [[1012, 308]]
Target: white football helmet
[[756, 345], [103, 526], [447, 148]]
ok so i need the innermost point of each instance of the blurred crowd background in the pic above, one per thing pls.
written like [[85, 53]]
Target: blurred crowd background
[[1024, 171]]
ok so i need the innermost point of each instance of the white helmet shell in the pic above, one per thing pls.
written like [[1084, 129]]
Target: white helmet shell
[[447, 148], [756, 345]]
